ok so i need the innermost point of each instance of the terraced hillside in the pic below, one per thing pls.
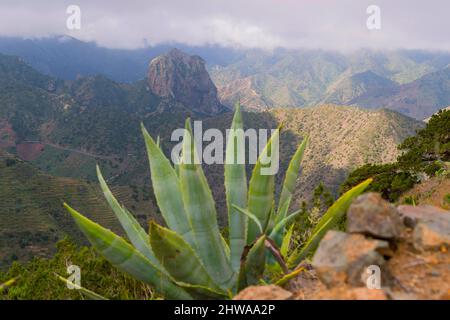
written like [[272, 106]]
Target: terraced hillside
[[32, 218]]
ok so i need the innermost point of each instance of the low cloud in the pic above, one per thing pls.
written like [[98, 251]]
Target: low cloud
[[327, 24]]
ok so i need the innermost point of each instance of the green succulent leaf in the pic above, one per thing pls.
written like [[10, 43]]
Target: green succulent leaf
[[88, 293], [226, 246], [277, 231], [292, 173], [286, 243], [201, 212], [250, 215], [282, 213], [133, 229], [330, 218], [236, 188], [253, 264], [283, 210], [261, 187], [125, 257], [178, 258], [167, 189], [341, 205], [203, 293]]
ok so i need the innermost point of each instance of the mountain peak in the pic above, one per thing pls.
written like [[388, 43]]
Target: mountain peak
[[179, 76]]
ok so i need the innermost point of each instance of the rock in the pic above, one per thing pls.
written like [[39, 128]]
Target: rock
[[413, 214], [305, 285], [349, 293], [183, 78], [270, 292], [344, 258], [372, 215], [418, 275], [429, 235], [431, 226]]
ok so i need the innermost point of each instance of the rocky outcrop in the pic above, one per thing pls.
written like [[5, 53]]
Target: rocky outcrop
[[404, 249], [183, 78]]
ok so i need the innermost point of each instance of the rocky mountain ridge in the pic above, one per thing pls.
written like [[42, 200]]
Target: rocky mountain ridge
[[179, 76]]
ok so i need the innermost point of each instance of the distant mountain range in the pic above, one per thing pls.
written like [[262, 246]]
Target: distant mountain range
[[67, 58], [62, 128], [412, 82], [419, 98]]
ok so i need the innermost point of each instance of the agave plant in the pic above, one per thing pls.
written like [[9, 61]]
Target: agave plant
[[190, 259]]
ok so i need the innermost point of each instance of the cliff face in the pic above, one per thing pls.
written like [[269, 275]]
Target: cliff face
[[183, 78]]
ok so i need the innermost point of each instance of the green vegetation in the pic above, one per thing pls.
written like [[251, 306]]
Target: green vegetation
[[191, 259], [447, 199], [388, 179], [427, 152], [32, 218], [37, 279]]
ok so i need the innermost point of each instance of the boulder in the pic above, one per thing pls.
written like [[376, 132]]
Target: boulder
[[370, 214], [345, 258]]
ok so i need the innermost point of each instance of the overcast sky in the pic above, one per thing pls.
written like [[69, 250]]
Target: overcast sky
[[328, 24]]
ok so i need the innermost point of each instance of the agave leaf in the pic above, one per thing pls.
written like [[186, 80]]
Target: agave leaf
[[282, 213], [7, 284], [283, 210], [176, 166], [271, 219], [167, 189], [236, 189], [126, 258], [283, 280], [251, 216], [226, 246], [133, 229], [286, 243], [252, 264], [178, 258], [292, 173], [330, 218], [278, 229], [90, 294], [201, 212], [261, 188], [202, 293], [340, 207]]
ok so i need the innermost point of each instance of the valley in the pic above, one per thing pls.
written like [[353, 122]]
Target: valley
[[58, 130]]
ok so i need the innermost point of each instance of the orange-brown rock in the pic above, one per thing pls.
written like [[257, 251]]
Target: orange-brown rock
[[344, 258]]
